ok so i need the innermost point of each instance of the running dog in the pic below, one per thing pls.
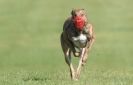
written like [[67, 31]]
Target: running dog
[[77, 38]]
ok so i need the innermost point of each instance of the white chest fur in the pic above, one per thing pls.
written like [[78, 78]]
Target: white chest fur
[[80, 41]]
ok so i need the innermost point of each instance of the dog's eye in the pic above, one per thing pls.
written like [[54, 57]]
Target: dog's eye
[[82, 15]]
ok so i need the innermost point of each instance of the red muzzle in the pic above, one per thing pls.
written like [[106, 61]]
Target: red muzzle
[[79, 23]]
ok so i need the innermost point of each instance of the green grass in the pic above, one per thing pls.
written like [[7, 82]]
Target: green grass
[[41, 76], [30, 51]]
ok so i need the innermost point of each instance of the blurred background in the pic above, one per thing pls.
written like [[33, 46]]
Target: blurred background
[[30, 32]]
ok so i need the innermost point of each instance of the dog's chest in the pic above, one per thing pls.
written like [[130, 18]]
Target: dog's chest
[[80, 41]]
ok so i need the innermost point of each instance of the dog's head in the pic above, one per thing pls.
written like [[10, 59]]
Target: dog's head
[[79, 18]]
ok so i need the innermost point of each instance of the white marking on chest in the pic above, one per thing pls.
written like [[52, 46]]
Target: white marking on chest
[[80, 40]]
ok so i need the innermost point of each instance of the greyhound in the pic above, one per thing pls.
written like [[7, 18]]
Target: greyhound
[[77, 38]]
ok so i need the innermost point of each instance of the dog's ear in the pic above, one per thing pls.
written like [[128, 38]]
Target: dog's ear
[[73, 12], [83, 10]]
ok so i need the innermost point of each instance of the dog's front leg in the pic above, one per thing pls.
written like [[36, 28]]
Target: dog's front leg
[[68, 61], [80, 62], [88, 48]]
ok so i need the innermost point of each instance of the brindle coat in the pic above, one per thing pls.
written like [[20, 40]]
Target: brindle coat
[[67, 43]]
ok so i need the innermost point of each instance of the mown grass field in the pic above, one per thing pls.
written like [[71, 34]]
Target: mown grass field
[[30, 51]]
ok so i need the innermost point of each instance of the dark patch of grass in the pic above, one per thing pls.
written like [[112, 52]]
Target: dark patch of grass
[[36, 79]]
